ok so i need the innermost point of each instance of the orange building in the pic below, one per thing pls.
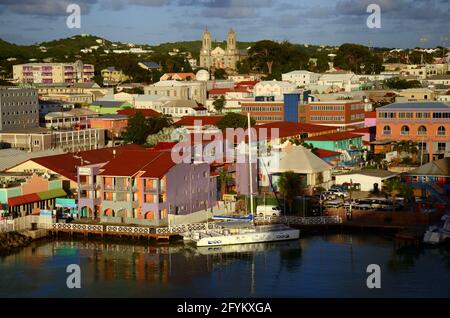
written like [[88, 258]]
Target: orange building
[[340, 113], [427, 123], [114, 124]]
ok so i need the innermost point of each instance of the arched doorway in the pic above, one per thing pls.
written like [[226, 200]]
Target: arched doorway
[[150, 216], [122, 213], [108, 212], [86, 212]]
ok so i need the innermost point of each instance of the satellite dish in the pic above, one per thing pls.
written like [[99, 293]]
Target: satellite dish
[[202, 75]]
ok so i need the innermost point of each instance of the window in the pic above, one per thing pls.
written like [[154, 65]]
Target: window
[[441, 131], [404, 131], [386, 130], [422, 131], [441, 146]]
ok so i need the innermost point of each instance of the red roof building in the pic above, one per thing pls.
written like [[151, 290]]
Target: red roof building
[[133, 111], [66, 164]]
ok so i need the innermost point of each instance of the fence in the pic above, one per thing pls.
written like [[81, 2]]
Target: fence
[[297, 220], [24, 223]]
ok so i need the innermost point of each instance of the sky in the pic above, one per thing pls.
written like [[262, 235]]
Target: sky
[[332, 22]]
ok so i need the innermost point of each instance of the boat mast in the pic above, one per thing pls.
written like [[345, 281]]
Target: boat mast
[[250, 162]]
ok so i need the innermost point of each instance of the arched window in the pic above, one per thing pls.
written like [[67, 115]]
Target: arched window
[[386, 130], [441, 131], [422, 131], [404, 131]]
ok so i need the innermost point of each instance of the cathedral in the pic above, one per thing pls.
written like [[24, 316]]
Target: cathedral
[[219, 58]]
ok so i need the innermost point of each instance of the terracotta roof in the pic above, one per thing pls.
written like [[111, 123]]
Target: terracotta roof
[[183, 76], [66, 164], [336, 136], [153, 164], [134, 111], [365, 130], [249, 84], [289, 129], [372, 114], [219, 91], [323, 153], [164, 145], [23, 199], [206, 120]]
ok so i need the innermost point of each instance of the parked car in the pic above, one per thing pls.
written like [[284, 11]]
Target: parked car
[[333, 204], [339, 193], [327, 195], [268, 210]]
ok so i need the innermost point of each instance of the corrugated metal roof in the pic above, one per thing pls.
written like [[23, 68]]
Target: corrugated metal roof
[[11, 157]]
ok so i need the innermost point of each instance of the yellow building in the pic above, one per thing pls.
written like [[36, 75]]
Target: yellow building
[[111, 75]]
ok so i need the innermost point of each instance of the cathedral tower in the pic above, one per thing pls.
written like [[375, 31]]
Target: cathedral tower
[[205, 54]]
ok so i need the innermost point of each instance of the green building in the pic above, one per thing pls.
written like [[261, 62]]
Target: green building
[[108, 107]]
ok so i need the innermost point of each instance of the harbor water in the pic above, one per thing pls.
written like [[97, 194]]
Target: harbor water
[[333, 265]]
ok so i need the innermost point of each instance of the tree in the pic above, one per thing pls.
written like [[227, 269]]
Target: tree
[[234, 120], [224, 178], [407, 146], [165, 135], [139, 127], [290, 186], [396, 188], [358, 58], [396, 83], [220, 74], [219, 103]]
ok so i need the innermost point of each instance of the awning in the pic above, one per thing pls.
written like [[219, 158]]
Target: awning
[[56, 193], [66, 203], [23, 199]]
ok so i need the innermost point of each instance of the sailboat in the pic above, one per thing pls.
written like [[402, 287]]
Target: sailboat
[[242, 232]]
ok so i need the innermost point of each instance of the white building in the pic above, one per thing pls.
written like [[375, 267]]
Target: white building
[[183, 90], [301, 78], [343, 81], [274, 88], [368, 179]]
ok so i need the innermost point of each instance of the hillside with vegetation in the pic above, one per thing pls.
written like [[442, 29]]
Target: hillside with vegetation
[[268, 57]]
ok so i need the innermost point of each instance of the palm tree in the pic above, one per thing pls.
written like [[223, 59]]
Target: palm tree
[[397, 188], [224, 177], [290, 186]]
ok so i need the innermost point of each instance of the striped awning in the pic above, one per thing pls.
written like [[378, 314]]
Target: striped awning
[[51, 194], [36, 197], [23, 199]]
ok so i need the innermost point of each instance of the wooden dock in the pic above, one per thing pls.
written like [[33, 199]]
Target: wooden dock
[[99, 230]]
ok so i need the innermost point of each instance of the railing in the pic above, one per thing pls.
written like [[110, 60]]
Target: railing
[[183, 228], [296, 220], [127, 229], [77, 227]]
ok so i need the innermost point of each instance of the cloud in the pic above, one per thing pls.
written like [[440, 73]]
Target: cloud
[[43, 7], [398, 9], [228, 9]]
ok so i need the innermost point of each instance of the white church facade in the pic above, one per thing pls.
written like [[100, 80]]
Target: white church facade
[[219, 58]]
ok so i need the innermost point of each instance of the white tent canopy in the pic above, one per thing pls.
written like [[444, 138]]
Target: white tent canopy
[[301, 160]]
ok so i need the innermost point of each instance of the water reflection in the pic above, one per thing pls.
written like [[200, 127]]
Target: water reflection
[[319, 266]]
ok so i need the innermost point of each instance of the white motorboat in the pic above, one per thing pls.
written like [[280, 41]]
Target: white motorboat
[[438, 233]]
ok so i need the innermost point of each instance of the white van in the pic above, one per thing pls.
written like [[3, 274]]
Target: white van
[[268, 210]]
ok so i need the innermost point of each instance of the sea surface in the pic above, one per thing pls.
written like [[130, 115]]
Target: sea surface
[[333, 265]]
